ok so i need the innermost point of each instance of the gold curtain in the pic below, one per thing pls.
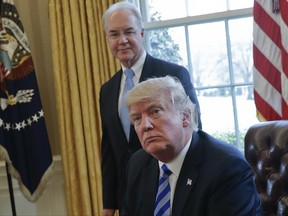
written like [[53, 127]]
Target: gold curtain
[[81, 63]]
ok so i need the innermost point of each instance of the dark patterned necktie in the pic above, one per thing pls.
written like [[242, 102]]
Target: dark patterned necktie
[[162, 204]]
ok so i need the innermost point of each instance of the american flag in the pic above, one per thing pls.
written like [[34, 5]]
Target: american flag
[[270, 53]]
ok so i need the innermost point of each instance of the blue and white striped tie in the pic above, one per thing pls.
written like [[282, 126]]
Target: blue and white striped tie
[[162, 204], [129, 84]]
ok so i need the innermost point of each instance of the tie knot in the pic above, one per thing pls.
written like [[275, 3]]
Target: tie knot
[[165, 171], [129, 73]]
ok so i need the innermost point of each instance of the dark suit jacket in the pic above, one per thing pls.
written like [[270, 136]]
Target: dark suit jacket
[[222, 182], [115, 148]]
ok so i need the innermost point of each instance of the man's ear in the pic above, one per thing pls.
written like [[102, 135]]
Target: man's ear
[[142, 33], [186, 119]]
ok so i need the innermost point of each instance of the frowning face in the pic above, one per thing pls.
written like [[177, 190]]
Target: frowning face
[[159, 126]]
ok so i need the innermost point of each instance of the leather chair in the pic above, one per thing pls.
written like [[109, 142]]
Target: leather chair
[[266, 149]]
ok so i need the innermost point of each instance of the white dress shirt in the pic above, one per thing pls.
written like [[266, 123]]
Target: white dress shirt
[[175, 166]]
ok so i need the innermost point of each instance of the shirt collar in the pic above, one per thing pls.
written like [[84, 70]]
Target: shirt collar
[[176, 164], [138, 66]]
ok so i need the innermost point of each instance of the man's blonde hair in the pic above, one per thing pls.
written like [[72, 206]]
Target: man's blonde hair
[[155, 87]]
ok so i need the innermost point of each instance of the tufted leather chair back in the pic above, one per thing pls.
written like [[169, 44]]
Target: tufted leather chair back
[[266, 149]]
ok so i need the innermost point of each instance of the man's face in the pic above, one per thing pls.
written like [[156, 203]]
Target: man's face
[[160, 128], [125, 37]]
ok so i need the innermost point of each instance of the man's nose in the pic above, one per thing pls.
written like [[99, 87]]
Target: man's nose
[[146, 124], [123, 38]]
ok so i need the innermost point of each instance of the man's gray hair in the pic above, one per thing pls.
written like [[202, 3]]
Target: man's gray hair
[[155, 87], [122, 6]]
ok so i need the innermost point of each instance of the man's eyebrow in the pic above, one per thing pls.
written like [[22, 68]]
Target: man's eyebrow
[[129, 28], [133, 113], [126, 29], [153, 104], [148, 106]]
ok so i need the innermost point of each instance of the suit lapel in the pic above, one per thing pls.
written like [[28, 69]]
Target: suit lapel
[[114, 98], [148, 70], [150, 178], [114, 92], [188, 176]]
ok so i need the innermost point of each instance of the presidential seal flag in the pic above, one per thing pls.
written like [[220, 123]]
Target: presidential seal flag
[[270, 53], [24, 143]]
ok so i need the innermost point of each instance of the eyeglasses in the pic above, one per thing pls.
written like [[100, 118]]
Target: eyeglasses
[[116, 35]]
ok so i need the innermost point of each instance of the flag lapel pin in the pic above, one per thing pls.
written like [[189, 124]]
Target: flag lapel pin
[[189, 182]]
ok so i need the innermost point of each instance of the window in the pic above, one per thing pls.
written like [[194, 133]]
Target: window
[[213, 40]]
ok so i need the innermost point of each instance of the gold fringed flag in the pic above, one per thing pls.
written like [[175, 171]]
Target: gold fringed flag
[[270, 53], [24, 142]]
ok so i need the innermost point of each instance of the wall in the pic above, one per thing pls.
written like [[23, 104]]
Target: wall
[[50, 203]]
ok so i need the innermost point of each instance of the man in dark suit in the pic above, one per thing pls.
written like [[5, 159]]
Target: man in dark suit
[[207, 177], [125, 36]]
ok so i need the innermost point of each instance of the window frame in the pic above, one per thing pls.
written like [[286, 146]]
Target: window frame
[[201, 19]]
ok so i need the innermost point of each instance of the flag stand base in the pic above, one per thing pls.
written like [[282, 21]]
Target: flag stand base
[[12, 200]]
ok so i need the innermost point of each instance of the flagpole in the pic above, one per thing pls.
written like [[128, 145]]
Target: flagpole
[[12, 200]]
